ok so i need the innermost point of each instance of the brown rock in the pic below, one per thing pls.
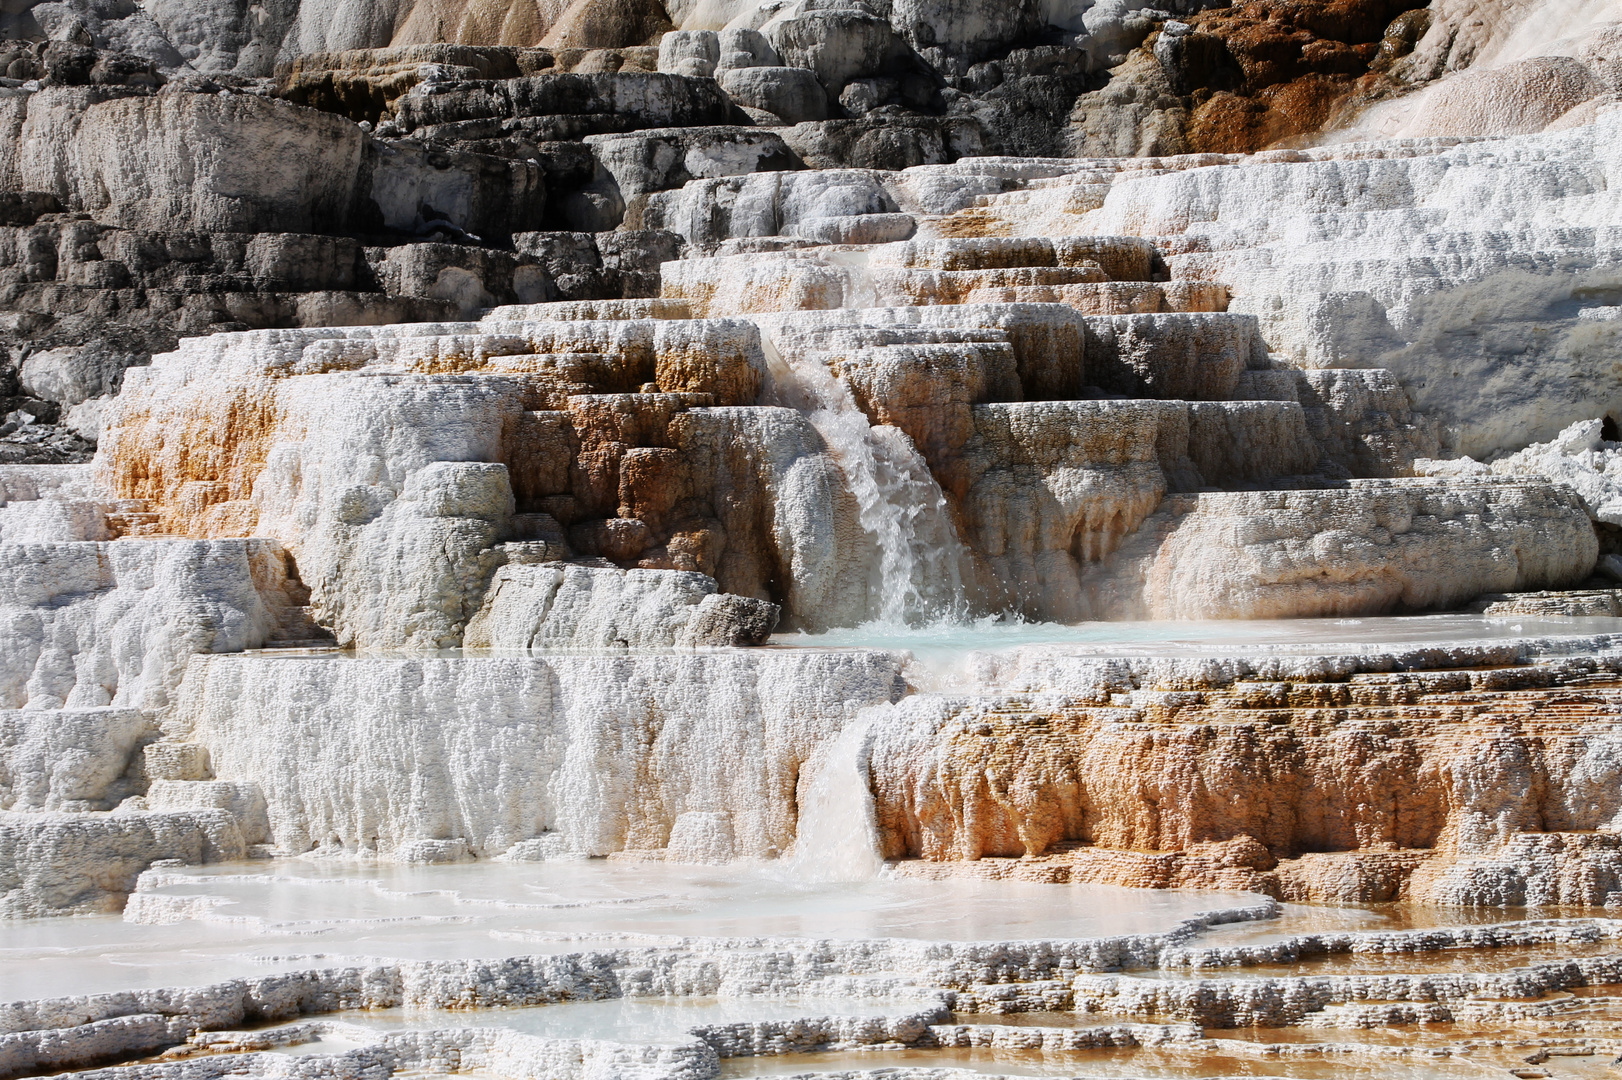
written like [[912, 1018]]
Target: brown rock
[[719, 357], [1429, 786], [620, 540]]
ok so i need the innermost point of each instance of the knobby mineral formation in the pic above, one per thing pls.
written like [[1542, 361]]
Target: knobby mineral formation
[[416, 414]]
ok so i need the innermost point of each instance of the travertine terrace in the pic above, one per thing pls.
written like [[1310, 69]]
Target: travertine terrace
[[919, 537]]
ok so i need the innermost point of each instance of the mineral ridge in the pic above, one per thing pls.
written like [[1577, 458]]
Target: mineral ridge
[[417, 413]]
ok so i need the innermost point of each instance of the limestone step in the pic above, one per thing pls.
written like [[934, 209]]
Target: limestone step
[[561, 106], [590, 311], [88, 863], [1111, 297]]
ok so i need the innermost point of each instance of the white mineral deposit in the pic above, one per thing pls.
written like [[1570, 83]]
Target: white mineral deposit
[[844, 539]]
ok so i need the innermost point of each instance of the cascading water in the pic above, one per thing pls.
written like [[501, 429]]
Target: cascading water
[[837, 836], [919, 574]]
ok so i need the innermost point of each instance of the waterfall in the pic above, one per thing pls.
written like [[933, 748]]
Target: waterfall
[[837, 835], [919, 574]]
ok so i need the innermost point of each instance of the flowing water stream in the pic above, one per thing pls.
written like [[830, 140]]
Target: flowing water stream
[[918, 577], [837, 837]]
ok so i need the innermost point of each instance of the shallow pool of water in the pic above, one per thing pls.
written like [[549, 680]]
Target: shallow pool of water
[[330, 1043], [247, 919], [1194, 637], [947, 658], [632, 1020], [1191, 1064], [1296, 919], [944, 645]]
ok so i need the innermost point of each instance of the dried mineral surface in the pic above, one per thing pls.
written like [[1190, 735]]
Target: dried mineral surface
[[663, 539]]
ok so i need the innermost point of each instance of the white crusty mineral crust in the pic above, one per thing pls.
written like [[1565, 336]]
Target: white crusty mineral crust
[[608, 751], [44, 521], [24, 483], [70, 759], [1190, 356], [413, 574], [384, 475], [1579, 457], [242, 801], [562, 606], [89, 624], [45, 503], [1526, 869], [702, 837], [83, 864]]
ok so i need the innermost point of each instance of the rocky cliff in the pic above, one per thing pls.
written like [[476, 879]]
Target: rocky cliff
[[541, 357], [156, 184]]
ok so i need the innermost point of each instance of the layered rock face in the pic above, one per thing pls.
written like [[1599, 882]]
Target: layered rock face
[[1308, 779], [528, 446], [624, 475], [1461, 776], [1386, 253], [530, 758], [449, 172], [648, 443], [604, 340], [440, 433], [620, 475]]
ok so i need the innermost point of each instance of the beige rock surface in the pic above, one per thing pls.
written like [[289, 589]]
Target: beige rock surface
[[258, 172], [1048, 488]]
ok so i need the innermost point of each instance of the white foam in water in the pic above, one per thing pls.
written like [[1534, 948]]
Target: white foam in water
[[255, 918]]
